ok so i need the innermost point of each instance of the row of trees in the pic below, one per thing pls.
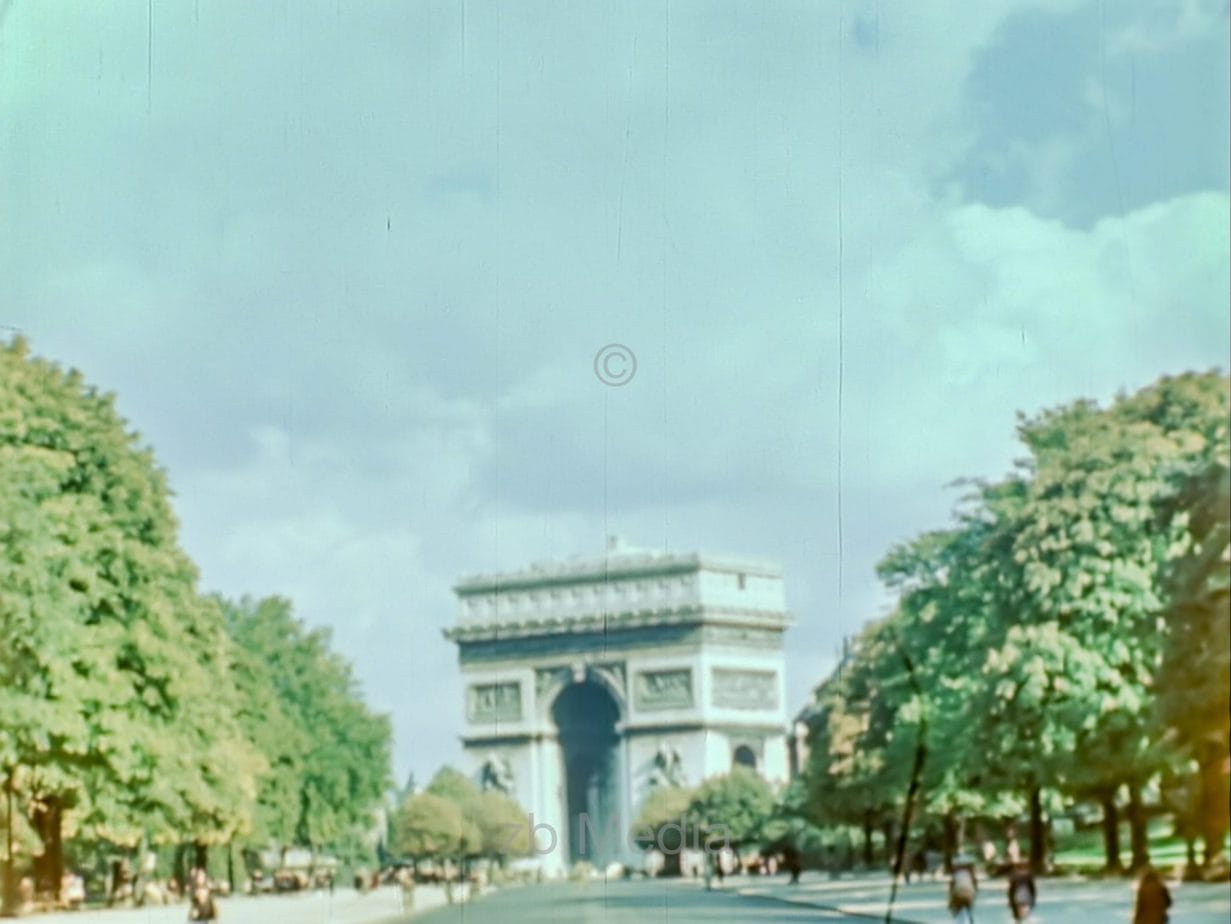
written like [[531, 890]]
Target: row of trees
[[326, 755], [738, 809], [1065, 640], [133, 708], [452, 818]]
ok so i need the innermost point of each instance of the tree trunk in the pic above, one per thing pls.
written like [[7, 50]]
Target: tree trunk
[[47, 818], [181, 874], [231, 867], [200, 856], [1215, 800], [867, 839], [951, 838], [1139, 836], [1111, 831], [1038, 847]]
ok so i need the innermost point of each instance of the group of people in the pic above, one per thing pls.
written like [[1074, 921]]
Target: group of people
[[147, 890], [1153, 897], [72, 893], [964, 887]]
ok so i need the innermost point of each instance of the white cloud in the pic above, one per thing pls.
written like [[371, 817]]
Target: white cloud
[[1031, 313], [1165, 23]]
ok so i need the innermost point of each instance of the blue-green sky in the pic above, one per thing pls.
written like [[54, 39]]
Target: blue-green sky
[[347, 266]]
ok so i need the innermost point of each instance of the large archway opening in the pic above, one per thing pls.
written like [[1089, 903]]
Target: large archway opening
[[744, 756], [585, 715]]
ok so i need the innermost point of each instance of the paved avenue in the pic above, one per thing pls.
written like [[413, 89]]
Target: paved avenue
[[744, 899]]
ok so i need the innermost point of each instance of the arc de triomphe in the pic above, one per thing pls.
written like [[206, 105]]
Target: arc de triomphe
[[589, 682]]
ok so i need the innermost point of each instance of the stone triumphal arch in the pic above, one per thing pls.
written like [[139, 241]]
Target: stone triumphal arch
[[589, 682]]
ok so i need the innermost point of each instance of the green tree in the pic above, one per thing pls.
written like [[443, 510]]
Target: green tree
[[732, 807], [493, 825], [950, 601], [861, 738], [1194, 680], [1102, 558], [453, 785], [428, 826], [113, 720], [328, 754], [661, 823], [790, 825], [1063, 615], [268, 716], [504, 828]]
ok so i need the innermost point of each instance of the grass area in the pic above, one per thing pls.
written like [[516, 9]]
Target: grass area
[[1082, 851]]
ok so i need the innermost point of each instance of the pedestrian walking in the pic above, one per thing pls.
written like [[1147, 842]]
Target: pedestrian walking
[[1153, 899], [917, 866], [406, 883], [1022, 892], [120, 887], [991, 855], [201, 906], [963, 887], [72, 891], [792, 862], [1012, 849]]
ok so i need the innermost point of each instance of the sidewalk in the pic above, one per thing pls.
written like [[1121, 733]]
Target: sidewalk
[[345, 906], [1060, 900]]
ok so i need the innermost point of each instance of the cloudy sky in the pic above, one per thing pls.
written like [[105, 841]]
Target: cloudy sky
[[347, 266]]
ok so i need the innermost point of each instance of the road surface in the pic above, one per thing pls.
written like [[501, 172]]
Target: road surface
[[670, 901], [675, 901], [1061, 901]]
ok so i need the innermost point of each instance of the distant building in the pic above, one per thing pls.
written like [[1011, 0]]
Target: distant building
[[797, 743], [590, 682]]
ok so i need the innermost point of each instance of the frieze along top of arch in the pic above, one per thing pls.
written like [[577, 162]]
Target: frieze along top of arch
[[624, 589]]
